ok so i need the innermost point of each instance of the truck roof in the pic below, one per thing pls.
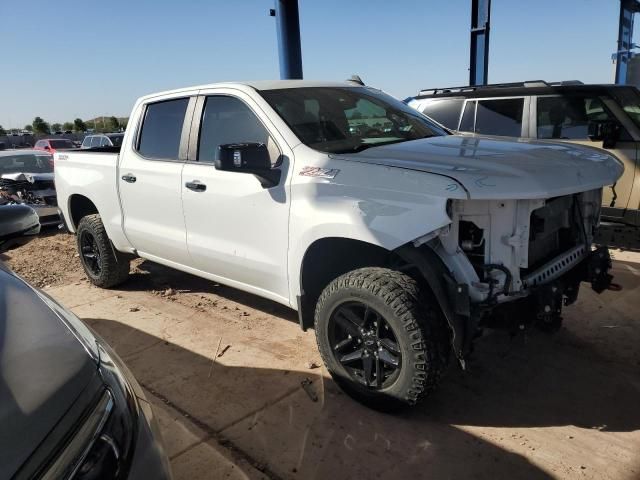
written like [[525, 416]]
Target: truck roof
[[259, 85]]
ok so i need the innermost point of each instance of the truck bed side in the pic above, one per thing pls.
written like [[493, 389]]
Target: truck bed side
[[87, 180]]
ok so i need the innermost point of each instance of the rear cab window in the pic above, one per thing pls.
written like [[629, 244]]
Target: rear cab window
[[161, 129]]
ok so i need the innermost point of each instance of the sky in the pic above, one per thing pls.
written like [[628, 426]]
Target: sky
[[72, 58]]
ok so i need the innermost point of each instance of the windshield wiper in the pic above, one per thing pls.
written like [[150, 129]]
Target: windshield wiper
[[363, 146]]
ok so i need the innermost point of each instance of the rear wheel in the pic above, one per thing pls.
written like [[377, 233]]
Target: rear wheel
[[104, 266], [381, 338]]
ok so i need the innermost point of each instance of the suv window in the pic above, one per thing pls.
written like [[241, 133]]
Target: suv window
[[568, 117], [227, 120], [95, 141], [162, 129], [445, 112], [500, 117], [86, 143]]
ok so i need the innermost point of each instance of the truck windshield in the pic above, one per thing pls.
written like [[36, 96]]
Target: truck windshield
[[348, 119], [26, 163]]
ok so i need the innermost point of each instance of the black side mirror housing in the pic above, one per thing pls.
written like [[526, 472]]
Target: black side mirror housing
[[607, 131], [19, 224], [250, 158]]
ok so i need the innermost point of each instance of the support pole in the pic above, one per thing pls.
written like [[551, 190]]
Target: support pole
[[625, 38], [479, 50], [289, 49]]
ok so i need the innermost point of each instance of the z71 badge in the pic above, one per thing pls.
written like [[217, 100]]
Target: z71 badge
[[319, 172]]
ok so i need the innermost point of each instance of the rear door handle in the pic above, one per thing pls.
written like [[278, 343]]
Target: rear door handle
[[129, 178], [196, 186]]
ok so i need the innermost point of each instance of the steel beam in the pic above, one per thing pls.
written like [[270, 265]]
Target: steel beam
[[479, 51], [628, 8], [288, 27]]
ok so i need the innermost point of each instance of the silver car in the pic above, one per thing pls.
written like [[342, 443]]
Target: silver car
[[26, 177]]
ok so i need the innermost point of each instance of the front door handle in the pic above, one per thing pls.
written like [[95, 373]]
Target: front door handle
[[129, 178], [196, 186]]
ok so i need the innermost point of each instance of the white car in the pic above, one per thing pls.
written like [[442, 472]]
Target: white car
[[396, 240]]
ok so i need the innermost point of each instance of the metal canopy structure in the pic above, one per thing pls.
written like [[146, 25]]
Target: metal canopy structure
[[289, 49], [628, 8], [479, 49]]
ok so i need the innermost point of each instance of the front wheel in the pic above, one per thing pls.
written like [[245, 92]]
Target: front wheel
[[382, 339], [104, 266]]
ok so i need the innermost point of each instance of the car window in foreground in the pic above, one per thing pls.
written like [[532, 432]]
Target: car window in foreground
[[348, 119], [26, 163], [162, 129]]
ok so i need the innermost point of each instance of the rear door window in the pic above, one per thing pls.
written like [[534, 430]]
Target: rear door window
[[500, 117], [569, 117], [162, 129], [445, 111]]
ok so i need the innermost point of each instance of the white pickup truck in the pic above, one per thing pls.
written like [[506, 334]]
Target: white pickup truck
[[396, 240]]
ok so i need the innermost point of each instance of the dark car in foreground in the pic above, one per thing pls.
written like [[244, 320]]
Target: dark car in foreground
[[69, 407]]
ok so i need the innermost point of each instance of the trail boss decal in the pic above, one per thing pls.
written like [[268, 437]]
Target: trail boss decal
[[319, 172]]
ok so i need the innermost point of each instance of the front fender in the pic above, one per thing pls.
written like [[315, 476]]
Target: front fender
[[379, 205]]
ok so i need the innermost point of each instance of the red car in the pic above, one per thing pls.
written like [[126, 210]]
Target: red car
[[51, 145]]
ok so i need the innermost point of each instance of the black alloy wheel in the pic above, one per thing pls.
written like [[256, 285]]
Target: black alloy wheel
[[364, 343]]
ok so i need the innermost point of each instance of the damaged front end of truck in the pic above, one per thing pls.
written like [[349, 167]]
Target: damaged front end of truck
[[511, 264]]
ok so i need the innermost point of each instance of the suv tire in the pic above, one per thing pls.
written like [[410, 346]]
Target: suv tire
[[383, 340], [104, 266]]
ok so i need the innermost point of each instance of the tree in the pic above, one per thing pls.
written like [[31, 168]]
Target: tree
[[79, 125], [40, 126], [67, 126], [56, 127], [114, 124], [2, 131], [28, 128]]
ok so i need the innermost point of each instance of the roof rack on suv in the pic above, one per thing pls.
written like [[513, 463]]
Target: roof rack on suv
[[471, 88]]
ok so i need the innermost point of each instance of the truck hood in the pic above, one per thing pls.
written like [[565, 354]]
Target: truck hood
[[493, 168], [43, 369]]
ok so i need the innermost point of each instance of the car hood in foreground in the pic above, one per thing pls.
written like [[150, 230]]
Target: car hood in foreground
[[43, 369], [495, 168]]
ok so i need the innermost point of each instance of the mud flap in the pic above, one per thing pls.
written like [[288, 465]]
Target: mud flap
[[453, 298]]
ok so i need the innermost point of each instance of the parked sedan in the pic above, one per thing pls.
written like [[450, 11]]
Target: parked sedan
[[69, 407], [26, 177]]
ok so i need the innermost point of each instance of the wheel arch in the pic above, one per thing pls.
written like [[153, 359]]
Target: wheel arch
[[326, 259], [80, 206]]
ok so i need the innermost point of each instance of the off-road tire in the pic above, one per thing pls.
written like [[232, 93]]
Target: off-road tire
[[114, 265], [417, 323]]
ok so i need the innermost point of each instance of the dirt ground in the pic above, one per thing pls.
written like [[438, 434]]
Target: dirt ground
[[238, 393]]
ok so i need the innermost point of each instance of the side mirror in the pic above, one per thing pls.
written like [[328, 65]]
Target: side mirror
[[19, 224], [47, 147], [250, 158], [606, 131]]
